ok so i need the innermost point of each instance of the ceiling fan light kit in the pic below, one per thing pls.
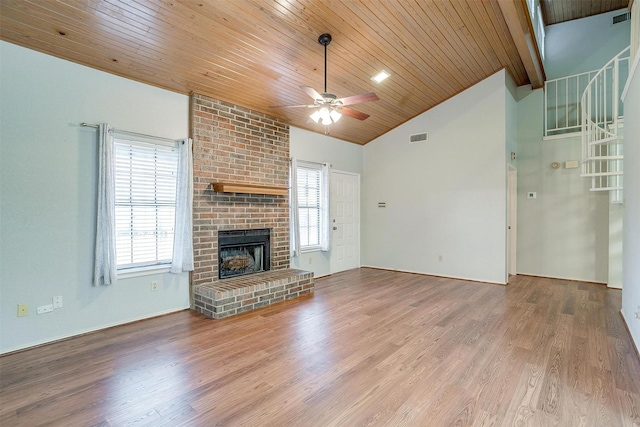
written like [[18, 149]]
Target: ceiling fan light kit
[[328, 116], [330, 108]]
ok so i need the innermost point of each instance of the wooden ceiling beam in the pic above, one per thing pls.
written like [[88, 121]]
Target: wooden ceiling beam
[[517, 19]]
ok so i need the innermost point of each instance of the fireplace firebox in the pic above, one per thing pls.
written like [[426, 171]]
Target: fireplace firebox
[[242, 252]]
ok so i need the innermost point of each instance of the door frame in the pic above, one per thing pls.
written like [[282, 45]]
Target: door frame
[[512, 220], [332, 269]]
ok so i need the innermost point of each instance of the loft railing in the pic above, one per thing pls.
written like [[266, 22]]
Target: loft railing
[[562, 104], [601, 112]]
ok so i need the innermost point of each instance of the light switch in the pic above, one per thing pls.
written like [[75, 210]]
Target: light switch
[[571, 164]]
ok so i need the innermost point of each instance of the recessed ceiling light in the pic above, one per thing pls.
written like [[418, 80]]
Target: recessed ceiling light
[[380, 76]]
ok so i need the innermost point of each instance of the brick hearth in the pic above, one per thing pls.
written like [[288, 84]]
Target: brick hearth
[[224, 298]]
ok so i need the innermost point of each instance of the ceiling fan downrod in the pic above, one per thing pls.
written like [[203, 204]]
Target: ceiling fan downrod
[[324, 40]]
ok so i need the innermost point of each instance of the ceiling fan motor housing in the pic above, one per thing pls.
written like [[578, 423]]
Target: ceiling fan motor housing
[[324, 39]]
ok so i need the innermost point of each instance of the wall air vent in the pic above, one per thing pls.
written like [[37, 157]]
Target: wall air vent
[[419, 137], [621, 18]]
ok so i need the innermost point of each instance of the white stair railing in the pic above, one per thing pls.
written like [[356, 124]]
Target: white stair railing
[[562, 113], [601, 114]]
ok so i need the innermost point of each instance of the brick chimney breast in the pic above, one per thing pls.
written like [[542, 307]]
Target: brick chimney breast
[[235, 144]]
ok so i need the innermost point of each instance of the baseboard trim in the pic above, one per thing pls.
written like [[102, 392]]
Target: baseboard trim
[[81, 334], [626, 326], [564, 278], [435, 275]]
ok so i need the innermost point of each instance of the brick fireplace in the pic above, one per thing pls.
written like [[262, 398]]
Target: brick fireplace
[[234, 144]]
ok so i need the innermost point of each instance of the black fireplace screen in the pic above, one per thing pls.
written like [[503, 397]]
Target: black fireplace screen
[[243, 252]]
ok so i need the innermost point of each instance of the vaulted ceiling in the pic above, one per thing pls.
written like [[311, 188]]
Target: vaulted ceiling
[[257, 53], [556, 11]]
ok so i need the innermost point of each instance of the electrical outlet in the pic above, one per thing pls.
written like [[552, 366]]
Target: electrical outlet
[[154, 286], [57, 302], [45, 308], [310, 260], [23, 310], [440, 258]]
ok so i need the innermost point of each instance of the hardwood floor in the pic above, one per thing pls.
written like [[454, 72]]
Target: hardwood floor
[[369, 348]]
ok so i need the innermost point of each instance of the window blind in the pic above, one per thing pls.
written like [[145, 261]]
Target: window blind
[[309, 204], [145, 202]]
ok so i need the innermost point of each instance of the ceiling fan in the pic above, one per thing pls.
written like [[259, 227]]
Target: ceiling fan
[[329, 108]]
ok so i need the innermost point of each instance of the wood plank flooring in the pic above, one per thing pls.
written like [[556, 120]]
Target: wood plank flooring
[[370, 348]]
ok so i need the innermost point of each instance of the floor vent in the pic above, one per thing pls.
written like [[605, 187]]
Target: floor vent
[[419, 137], [621, 18]]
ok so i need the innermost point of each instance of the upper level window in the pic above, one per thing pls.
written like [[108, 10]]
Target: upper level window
[[531, 5], [145, 202], [540, 33]]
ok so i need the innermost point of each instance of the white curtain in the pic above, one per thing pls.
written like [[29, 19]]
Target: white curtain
[[183, 232], [325, 216], [294, 221], [105, 267]]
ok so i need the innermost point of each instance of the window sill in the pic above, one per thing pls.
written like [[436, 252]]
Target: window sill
[[310, 249], [144, 271]]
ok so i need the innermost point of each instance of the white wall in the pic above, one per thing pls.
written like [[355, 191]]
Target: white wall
[[445, 197], [564, 231], [511, 119], [635, 31], [631, 237], [342, 155], [48, 180], [585, 44], [616, 230], [314, 147], [568, 232]]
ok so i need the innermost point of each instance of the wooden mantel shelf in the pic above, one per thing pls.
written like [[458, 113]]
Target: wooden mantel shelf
[[239, 187]]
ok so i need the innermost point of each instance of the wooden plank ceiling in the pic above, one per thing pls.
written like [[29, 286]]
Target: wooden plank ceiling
[[556, 11], [257, 53]]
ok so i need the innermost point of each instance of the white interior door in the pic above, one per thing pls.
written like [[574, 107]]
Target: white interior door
[[512, 219], [345, 221]]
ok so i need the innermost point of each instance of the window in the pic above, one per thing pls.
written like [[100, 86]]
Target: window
[[540, 34], [145, 202], [145, 198], [312, 196], [532, 9], [309, 205]]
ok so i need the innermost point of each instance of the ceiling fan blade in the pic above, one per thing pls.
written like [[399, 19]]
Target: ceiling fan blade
[[311, 92], [292, 106], [353, 113], [357, 99]]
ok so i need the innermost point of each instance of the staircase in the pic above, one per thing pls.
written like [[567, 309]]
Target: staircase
[[602, 127]]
